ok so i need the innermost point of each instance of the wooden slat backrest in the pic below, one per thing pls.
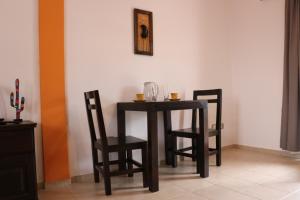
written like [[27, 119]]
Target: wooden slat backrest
[[88, 96], [217, 100]]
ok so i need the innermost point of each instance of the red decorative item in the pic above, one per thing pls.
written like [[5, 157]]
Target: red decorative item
[[19, 107]]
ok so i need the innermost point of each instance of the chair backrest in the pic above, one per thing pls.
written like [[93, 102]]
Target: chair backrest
[[217, 100], [96, 105]]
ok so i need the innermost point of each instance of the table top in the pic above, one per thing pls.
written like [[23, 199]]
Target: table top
[[162, 105], [9, 125]]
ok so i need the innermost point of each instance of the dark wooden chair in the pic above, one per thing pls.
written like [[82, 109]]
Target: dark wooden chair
[[194, 131], [112, 144]]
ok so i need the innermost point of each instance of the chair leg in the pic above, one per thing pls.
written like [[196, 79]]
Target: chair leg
[[219, 150], [96, 175], [174, 148], [106, 174], [129, 162], [145, 166], [198, 155], [194, 144], [181, 146], [95, 161]]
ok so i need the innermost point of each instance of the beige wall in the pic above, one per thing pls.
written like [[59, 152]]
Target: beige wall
[[189, 46], [257, 44], [19, 59]]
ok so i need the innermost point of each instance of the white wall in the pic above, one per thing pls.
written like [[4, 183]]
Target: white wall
[[257, 45], [189, 46], [236, 45], [19, 59]]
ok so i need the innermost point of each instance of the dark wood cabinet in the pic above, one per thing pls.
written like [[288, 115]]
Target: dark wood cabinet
[[17, 161]]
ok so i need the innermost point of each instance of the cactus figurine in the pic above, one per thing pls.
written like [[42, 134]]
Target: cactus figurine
[[19, 106]]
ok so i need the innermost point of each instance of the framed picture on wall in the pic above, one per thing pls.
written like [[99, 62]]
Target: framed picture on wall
[[143, 32]]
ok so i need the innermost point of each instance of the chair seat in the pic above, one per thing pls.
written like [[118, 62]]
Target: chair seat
[[189, 131], [113, 143]]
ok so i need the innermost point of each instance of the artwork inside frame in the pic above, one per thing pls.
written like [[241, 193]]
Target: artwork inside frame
[[143, 32]]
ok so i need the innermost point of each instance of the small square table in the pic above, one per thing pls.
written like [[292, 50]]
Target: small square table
[[166, 107]]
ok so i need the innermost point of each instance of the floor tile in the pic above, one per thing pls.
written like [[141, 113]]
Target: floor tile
[[293, 196], [244, 175], [263, 193], [216, 192]]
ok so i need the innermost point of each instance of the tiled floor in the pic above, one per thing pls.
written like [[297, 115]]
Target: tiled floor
[[244, 175]]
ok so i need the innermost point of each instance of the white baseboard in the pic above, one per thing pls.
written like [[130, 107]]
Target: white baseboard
[[262, 150], [53, 185], [293, 155], [86, 178]]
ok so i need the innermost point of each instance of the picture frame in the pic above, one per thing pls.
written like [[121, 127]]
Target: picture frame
[[143, 32]]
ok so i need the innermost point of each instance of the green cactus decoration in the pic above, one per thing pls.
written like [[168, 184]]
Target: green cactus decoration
[[19, 106]]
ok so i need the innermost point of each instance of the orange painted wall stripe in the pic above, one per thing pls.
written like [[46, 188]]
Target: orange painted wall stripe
[[52, 87]]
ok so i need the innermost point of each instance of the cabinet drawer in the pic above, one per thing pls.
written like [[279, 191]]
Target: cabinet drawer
[[17, 141]]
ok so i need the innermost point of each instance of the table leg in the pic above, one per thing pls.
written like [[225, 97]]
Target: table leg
[[121, 136], [152, 150], [203, 137], [168, 143]]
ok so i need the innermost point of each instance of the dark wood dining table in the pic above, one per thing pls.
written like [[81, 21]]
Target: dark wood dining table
[[152, 108]]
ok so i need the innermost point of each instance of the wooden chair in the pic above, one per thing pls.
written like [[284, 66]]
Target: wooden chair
[[193, 132], [112, 144]]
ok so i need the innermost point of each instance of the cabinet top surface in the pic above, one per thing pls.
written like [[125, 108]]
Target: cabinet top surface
[[6, 125]]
